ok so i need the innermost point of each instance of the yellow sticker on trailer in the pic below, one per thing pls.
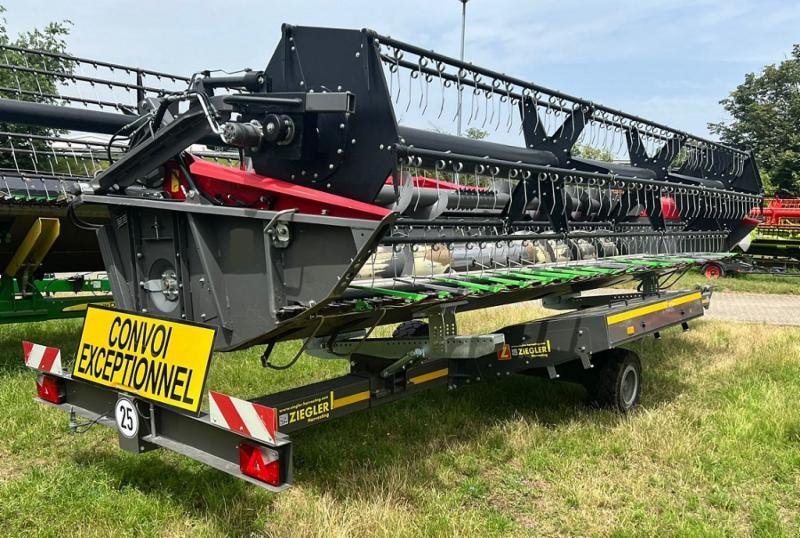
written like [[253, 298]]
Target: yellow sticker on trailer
[[161, 360]]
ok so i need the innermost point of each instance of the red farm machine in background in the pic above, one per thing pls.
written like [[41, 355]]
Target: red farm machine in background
[[779, 212], [773, 247]]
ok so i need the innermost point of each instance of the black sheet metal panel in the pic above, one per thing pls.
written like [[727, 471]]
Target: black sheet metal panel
[[328, 59]]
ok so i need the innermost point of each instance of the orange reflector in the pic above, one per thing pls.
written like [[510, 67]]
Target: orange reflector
[[505, 353], [260, 463], [50, 389]]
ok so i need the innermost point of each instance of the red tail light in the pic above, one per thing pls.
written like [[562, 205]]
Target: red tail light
[[50, 389], [260, 463]]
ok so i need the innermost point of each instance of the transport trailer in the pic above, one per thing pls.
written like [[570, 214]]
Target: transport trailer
[[250, 439]]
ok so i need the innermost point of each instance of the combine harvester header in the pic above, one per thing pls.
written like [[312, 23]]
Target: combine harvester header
[[318, 209]]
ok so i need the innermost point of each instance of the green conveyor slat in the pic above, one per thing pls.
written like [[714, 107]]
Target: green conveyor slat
[[407, 295], [473, 286], [573, 271], [648, 263], [541, 273], [604, 270], [533, 278], [561, 275], [498, 280]]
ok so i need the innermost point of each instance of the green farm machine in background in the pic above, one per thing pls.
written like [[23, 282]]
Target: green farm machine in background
[[27, 293]]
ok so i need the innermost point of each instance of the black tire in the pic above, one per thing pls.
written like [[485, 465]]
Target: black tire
[[617, 381], [412, 328]]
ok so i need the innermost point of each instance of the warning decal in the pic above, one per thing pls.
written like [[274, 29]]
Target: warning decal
[[163, 361]]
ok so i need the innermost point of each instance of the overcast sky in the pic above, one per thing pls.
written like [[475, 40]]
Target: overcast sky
[[668, 60]]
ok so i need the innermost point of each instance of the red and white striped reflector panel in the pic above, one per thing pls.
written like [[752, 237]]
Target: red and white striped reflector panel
[[253, 420], [42, 358]]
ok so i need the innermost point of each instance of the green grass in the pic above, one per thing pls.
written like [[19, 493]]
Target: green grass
[[715, 450], [754, 283]]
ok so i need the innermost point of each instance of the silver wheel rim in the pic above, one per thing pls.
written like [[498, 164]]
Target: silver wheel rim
[[629, 385]]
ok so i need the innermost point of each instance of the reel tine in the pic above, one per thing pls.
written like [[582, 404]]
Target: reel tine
[[410, 85], [428, 80], [490, 102], [475, 91], [14, 73], [512, 105], [34, 157], [440, 67], [35, 78], [421, 78], [485, 108]]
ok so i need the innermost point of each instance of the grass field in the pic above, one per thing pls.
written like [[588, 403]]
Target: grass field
[[753, 283], [714, 450]]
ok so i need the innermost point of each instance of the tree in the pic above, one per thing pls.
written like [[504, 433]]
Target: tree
[[766, 119], [476, 133], [591, 152], [28, 86]]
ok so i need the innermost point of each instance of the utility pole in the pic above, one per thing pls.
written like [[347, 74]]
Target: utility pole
[[456, 178], [461, 57]]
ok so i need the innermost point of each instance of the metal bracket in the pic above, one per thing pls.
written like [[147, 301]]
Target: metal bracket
[[410, 358], [279, 232], [650, 284], [563, 138], [658, 163], [441, 325]]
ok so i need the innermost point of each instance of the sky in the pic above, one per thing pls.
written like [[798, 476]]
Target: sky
[[668, 60]]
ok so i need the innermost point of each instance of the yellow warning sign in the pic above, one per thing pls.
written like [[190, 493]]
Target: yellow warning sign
[[163, 361]]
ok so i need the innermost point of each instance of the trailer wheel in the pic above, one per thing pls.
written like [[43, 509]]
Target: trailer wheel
[[713, 271], [617, 384], [412, 328]]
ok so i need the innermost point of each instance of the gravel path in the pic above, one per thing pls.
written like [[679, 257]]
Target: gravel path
[[772, 309], [755, 307]]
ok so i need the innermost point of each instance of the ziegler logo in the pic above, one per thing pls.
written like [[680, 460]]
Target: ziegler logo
[[310, 410], [535, 349]]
